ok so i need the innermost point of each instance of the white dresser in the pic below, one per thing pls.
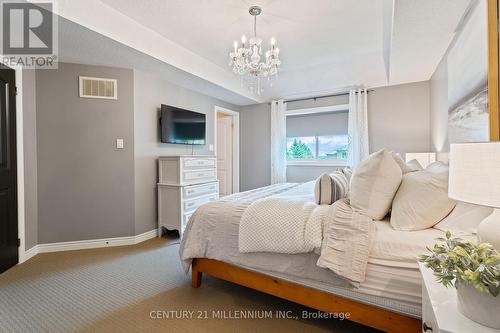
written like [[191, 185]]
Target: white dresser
[[184, 184], [439, 309]]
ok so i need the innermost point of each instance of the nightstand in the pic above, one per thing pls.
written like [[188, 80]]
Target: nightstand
[[439, 309]]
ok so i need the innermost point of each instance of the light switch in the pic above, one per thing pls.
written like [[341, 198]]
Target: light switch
[[211, 147], [119, 143]]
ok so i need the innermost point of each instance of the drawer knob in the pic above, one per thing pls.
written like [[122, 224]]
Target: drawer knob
[[426, 328], [200, 162], [201, 174], [190, 191], [190, 204]]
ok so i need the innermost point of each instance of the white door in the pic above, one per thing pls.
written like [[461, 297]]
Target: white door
[[225, 154]]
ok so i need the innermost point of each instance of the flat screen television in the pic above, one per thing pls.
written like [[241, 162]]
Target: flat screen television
[[182, 126]]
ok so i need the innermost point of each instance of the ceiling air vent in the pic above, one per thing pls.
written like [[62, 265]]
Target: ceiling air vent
[[94, 87]]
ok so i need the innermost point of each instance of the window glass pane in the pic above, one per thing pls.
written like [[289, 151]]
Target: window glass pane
[[333, 147], [301, 147]]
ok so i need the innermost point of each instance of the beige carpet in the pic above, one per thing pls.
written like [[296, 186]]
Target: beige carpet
[[116, 290]]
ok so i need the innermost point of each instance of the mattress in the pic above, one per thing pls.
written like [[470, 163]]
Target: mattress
[[392, 279]]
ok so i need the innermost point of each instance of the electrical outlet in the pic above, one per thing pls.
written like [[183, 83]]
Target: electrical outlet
[[119, 143], [211, 147]]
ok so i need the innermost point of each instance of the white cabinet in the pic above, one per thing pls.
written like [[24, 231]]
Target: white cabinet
[[439, 309], [185, 183]]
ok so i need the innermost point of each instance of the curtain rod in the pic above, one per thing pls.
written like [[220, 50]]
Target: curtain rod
[[318, 97]]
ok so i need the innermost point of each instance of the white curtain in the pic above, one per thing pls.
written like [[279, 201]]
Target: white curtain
[[358, 127], [278, 142]]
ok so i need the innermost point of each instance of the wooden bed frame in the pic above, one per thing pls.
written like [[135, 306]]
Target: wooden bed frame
[[372, 316]]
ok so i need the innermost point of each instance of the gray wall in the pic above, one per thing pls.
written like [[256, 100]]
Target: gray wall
[[85, 184], [255, 146], [30, 159], [302, 173], [149, 93], [399, 118]]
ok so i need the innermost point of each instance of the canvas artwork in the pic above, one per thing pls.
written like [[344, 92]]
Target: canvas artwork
[[468, 114], [469, 122]]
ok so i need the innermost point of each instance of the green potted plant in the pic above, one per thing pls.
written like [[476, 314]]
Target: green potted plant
[[474, 270]]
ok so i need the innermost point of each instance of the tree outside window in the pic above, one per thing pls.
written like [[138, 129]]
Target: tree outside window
[[325, 147]]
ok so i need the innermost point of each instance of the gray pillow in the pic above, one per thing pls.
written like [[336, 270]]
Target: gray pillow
[[331, 187]]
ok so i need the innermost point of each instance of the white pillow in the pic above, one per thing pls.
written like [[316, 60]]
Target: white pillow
[[438, 167], [422, 200], [374, 184], [464, 219], [411, 166]]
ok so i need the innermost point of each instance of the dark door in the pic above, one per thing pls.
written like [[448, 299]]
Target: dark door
[[8, 170]]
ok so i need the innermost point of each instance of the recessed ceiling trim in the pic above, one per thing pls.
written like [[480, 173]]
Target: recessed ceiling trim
[[107, 21], [388, 22]]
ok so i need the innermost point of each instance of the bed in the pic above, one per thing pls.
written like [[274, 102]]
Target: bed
[[388, 299]]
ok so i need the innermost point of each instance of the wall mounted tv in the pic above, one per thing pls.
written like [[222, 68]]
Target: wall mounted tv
[[182, 126]]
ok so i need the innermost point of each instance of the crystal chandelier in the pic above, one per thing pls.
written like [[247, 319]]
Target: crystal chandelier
[[247, 59]]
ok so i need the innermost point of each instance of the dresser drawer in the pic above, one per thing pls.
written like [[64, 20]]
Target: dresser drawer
[[191, 205], [198, 163], [199, 190], [186, 218], [199, 175]]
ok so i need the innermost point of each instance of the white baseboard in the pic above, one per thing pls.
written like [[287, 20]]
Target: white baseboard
[[146, 235], [29, 254], [88, 244]]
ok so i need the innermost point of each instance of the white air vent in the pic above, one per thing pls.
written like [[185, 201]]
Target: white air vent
[[94, 87]]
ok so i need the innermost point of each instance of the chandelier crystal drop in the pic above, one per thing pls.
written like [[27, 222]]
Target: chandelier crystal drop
[[248, 61]]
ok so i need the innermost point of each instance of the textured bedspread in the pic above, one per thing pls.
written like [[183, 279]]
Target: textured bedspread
[[282, 225]]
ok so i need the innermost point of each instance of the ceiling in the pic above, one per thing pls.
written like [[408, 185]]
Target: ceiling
[[326, 45], [78, 44]]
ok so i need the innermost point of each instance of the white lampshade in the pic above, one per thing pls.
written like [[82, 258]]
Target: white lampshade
[[475, 173]]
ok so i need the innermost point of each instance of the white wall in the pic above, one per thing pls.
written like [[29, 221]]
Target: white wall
[[439, 109]]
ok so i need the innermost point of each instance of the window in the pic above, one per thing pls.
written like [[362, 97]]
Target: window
[[324, 147], [318, 136]]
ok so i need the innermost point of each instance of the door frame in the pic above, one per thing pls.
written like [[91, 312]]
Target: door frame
[[493, 70], [20, 165], [236, 143]]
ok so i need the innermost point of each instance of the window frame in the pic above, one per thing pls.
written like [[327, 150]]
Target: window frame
[[316, 161]]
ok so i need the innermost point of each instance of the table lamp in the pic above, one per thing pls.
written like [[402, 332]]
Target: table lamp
[[475, 178]]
